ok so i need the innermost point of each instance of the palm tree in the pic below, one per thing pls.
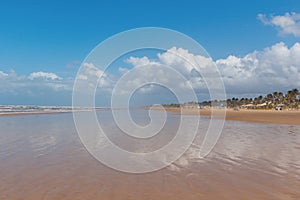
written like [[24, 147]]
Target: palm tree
[[256, 101], [269, 99], [280, 95], [296, 94], [260, 98], [295, 91], [276, 95], [291, 98], [276, 98]]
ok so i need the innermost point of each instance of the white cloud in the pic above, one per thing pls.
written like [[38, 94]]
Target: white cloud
[[90, 70], [138, 61], [287, 24], [274, 68], [177, 69], [82, 77], [123, 70], [3, 74], [91, 74], [43, 75], [35, 84]]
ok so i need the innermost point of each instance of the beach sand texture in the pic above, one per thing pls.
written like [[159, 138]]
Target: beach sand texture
[[260, 116]]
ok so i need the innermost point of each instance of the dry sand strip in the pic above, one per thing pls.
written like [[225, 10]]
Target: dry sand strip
[[261, 116]]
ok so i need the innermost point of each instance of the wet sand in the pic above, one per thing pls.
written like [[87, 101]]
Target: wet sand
[[42, 158], [260, 116]]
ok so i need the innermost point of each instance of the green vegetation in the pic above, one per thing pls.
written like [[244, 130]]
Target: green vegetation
[[275, 100], [172, 105]]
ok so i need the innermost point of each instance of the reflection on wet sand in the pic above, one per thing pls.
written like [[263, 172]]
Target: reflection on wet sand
[[41, 157]]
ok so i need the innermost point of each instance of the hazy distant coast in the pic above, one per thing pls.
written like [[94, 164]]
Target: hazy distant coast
[[12, 110]]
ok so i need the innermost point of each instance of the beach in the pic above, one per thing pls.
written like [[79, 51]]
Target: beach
[[42, 157], [291, 117], [153, 100], [259, 116]]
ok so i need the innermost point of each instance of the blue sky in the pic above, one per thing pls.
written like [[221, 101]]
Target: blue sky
[[55, 36]]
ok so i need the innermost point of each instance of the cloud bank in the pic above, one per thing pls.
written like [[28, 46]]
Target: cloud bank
[[44, 75], [42, 88], [275, 68]]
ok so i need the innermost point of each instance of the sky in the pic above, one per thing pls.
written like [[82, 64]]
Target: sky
[[43, 43]]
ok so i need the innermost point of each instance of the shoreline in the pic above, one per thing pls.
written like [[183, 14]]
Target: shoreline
[[258, 116], [7, 114], [32, 113]]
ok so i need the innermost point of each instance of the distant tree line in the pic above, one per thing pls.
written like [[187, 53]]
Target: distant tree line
[[172, 105], [291, 99]]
